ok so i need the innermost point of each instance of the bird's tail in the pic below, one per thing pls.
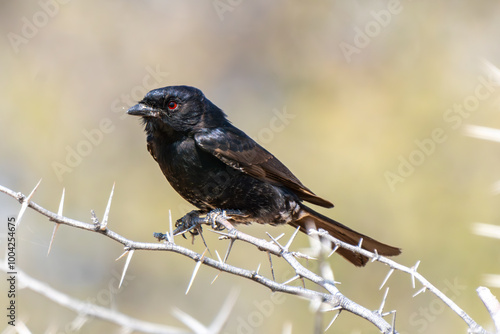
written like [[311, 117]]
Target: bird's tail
[[307, 217]]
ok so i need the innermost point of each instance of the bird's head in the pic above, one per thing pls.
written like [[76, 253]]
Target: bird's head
[[178, 108]]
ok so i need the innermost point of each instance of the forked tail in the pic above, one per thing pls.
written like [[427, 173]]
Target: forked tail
[[344, 233]]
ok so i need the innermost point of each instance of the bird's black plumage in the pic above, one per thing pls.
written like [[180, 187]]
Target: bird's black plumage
[[214, 165]]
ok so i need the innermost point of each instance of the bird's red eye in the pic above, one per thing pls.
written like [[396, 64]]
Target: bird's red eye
[[172, 105]]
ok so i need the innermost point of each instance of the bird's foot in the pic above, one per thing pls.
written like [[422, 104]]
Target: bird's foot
[[192, 222], [211, 218], [189, 223]]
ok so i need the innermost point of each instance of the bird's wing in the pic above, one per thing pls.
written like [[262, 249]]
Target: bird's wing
[[236, 149]]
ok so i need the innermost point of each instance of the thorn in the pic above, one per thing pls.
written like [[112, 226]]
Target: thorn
[[293, 237], [383, 301], [127, 262], [220, 320], [56, 226], [123, 254], [79, 322], [291, 279], [386, 278], [276, 240], [360, 242], [24, 206], [220, 260], [189, 321], [394, 323], [334, 250], [170, 235], [200, 231], [332, 309], [166, 236], [376, 257], [223, 235], [231, 242], [218, 256], [419, 292], [413, 271], [280, 236], [383, 315], [106, 212], [303, 256], [258, 268], [215, 278], [333, 320], [60, 210], [195, 271], [222, 317], [271, 264]]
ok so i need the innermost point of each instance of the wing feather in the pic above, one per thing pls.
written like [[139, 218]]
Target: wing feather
[[236, 149]]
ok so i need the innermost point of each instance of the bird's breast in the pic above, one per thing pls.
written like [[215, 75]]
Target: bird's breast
[[192, 172]]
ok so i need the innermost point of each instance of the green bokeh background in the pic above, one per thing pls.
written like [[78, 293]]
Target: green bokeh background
[[352, 119]]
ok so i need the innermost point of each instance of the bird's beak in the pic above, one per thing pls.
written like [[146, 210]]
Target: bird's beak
[[140, 109]]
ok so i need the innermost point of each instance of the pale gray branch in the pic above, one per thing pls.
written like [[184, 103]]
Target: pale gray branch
[[335, 300]]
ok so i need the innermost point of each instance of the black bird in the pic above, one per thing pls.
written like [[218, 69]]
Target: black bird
[[214, 165]]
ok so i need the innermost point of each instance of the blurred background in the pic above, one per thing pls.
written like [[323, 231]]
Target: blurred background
[[365, 101]]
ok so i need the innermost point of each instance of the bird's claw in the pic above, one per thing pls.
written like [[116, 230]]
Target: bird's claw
[[211, 218], [191, 222], [188, 223]]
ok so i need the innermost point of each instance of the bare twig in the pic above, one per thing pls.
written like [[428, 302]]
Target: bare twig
[[492, 305]]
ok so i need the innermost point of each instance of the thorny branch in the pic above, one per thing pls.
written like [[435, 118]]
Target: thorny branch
[[473, 326], [331, 300]]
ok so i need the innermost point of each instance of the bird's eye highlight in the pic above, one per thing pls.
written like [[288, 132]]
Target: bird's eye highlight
[[172, 105]]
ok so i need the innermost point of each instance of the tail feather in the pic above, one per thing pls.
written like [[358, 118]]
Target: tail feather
[[344, 233]]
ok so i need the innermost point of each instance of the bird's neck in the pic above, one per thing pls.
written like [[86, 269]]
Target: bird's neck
[[163, 132]]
